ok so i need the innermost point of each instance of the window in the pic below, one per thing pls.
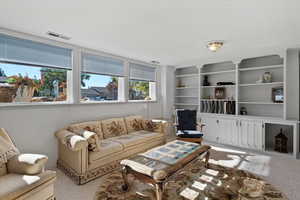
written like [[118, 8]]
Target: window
[[32, 71], [142, 82], [101, 79]]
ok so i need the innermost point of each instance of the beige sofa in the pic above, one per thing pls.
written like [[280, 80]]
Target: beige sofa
[[84, 159], [20, 180]]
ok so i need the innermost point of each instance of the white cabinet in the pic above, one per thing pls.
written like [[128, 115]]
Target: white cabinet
[[210, 129], [245, 133], [251, 134]]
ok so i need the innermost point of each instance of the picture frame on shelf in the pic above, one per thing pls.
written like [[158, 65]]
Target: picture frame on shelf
[[277, 95], [220, 93]]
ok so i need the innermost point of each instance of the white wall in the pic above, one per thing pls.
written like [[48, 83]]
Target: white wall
[[292, 84], [168, 90], [32, 127]]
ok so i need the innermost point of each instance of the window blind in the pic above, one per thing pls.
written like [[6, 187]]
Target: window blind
[[29, 52], [102, 65], [142, 72]]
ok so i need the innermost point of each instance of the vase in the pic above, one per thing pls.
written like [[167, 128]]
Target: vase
[[267, 77]]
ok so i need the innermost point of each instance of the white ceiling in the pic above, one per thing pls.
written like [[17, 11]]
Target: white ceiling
[[174, 32]]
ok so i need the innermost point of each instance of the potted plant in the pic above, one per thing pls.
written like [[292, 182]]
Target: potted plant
[[25, 87]]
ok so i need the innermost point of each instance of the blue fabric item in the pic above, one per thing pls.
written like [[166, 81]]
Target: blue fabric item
[[187, 119], [189, 134]]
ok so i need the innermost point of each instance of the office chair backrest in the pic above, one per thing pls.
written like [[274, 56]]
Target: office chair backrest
[[187, 119]]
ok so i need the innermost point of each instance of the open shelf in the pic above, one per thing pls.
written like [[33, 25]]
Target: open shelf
[[218, 72], [182, 88], [261, 68], [186, 104], [187, 75], [261, 84], [216, 100], [219, 86], [186, 96], [259, 102]]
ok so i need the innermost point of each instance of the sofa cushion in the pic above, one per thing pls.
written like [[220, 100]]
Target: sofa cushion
[[147, 135], [13, 186], [113, 127], [94, 126], [133, 139], [107, 147], [134, 123]]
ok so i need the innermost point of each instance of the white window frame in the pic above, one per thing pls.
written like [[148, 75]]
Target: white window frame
[[33, 38], [153, 86], [74, 75]]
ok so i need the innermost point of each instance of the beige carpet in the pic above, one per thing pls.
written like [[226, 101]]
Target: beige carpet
[[280, 171]]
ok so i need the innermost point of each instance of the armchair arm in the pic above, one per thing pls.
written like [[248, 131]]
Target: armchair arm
[[73, 141], [27, 164], [200, 126]]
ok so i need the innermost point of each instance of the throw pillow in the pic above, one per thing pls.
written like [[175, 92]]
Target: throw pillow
[[114, 129], [136, 124], [148, 125]]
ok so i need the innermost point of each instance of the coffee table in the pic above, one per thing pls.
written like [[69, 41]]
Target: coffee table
[[157, 164]]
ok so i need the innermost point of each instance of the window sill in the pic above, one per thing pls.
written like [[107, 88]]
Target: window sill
[[34, 104], [142, 101], [64, 103], [99, 102]]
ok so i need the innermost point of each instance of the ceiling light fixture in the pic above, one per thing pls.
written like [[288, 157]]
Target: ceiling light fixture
[[215, 45], [57, 35]]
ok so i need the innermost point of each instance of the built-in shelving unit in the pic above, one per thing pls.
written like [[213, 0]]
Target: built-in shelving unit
[[249, 91], [187, 88]]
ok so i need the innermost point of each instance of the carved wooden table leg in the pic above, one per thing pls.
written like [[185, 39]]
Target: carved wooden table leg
[[207, 159], [125, 187], [159, 190]]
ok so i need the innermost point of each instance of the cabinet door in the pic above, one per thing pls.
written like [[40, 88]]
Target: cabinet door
[[233, 136], [251, 134], [258, 135], [209, 129], [226, 131]]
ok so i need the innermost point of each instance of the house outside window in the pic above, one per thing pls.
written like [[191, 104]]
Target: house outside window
[[32, 71], [101, 79]]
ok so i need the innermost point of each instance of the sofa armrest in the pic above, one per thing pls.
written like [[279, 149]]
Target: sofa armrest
[[162, 125], [27, 164], [73, 141]]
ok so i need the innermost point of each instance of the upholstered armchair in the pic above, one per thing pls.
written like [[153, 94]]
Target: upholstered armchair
[[22, 176]]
